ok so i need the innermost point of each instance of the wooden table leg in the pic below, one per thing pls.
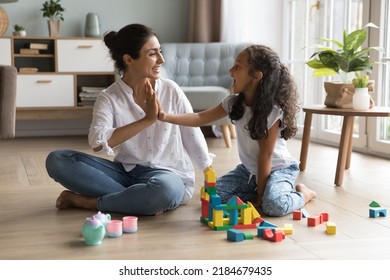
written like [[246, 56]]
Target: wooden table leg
[[305, 140], [348, 162], [343, 149]]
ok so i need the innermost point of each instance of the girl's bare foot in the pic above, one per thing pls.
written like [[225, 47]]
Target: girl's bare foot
[[308, 194], [68, 199]]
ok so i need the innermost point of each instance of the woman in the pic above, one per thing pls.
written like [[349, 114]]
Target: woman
[[264, 112], [152, 171]]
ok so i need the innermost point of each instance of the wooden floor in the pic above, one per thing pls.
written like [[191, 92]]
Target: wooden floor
[[32, 228]]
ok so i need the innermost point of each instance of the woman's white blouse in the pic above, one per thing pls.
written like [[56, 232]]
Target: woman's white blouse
[[160, 145]]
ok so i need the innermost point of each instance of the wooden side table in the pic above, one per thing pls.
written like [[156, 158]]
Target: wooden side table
[[345, 145]]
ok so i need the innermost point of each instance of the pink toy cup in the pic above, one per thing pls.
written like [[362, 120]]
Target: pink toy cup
[[114, 228], [130, 224]]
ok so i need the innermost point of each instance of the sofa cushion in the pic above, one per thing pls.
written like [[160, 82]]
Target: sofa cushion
[[200, 64], [196, 96]]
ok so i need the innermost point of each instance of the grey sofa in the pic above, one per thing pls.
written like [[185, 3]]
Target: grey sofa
[[202, 71], [7, 101]]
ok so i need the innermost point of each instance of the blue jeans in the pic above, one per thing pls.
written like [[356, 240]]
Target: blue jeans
[[141, 191], [279, 198]]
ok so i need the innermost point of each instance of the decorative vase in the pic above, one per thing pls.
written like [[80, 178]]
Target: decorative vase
[[21, 33], [54, 27], [92, 26], [361, 99], [339, 94]]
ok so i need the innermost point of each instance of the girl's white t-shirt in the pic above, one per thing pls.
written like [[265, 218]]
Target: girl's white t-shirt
[[248, 149]]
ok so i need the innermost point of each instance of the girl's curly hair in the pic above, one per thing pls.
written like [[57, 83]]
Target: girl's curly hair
[[277, 87]]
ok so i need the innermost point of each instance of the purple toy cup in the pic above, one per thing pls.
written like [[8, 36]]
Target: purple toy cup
[[130, 224], [114, 228]]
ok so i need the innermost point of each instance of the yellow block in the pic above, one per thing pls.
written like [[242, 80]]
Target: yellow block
[[330, 228], [287, 229], [217, 218], [209, 175]]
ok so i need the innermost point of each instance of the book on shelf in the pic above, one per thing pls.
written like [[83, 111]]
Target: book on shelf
[[28, 70], [92, 89], [37, 46], [29, 51]]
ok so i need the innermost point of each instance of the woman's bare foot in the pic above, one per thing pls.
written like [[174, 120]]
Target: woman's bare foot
[[68, 199], [308, 194]]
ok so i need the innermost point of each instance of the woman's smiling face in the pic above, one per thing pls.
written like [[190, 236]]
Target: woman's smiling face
[[150, 60]]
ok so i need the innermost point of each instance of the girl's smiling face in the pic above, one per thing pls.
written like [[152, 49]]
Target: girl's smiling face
[[243, 80]]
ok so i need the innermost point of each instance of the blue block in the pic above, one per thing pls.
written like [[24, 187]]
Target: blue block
[[235, 235], [378, 212]]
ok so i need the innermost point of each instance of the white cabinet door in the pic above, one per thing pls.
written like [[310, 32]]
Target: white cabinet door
[[45, 91], [83, 56], [5, 51]]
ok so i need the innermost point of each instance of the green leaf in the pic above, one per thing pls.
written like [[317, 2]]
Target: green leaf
[[315, 63], [354, 40], [324, 72]]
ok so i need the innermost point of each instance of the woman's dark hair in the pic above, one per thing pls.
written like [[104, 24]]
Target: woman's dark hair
[[277, 87], [129, 40]]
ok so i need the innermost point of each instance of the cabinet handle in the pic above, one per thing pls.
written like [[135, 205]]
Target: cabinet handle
[[85, 46], [44, 81]]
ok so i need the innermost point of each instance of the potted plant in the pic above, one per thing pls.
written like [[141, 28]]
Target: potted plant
[[361, 98], [53, 11], [19, 30], [345, 60]]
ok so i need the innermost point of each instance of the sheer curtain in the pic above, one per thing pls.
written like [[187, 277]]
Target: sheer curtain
[[240, 20]]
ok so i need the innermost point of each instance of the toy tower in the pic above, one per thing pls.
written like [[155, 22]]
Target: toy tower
[[234, 214]]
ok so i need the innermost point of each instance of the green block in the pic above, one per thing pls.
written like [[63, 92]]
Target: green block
[[248, 236], [374, 204]]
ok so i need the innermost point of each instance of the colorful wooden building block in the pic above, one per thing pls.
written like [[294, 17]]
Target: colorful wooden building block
[[314, 220], [330, 228], [238, 236], [273, 235], [305, 214], [378, 212], [297, 215]]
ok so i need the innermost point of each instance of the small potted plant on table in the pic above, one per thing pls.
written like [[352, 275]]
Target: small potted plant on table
[[347, 59], [361, 98]]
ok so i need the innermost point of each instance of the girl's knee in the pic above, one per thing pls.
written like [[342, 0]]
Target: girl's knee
[[276, 208]]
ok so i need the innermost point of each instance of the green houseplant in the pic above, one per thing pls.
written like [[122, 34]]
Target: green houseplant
[[54, 12], [346, 59], [19, 30]]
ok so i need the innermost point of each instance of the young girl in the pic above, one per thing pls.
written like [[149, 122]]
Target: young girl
[[264, 112]]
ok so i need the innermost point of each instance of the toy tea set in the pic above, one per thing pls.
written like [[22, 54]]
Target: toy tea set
[[96, 227]]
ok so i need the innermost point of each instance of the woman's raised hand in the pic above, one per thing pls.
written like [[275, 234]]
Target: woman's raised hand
[[152, 105]]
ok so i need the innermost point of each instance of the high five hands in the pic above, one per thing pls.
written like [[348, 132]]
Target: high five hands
[[154, 110], [152, 104]]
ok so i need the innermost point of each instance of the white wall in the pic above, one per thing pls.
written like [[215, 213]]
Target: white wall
[[167, 17]]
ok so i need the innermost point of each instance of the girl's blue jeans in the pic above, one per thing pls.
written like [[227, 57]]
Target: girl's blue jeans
[[279, 198], [141, 191]]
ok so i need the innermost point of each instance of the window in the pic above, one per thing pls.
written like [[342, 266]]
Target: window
[[309, 20]]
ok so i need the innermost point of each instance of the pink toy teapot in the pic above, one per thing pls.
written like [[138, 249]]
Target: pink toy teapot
[[103, 218]]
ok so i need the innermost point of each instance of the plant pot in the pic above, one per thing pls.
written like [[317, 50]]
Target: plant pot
[[21, 33], [54, 27], [361, 99], [339, 95]]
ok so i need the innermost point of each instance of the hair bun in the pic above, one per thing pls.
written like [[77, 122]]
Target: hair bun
[[110, 39]]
